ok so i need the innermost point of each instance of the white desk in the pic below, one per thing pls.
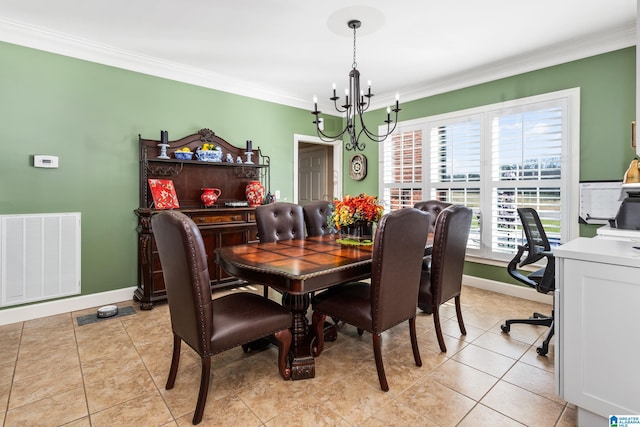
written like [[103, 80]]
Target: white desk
[[597, 320]]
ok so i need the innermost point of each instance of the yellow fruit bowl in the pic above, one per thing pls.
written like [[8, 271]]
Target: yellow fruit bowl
[[183, 155]]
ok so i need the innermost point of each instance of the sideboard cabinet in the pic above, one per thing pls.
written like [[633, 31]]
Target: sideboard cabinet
[[226, 223]]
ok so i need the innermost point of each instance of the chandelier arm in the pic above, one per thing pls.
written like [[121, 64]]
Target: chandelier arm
[[329, 138], [335, 105]]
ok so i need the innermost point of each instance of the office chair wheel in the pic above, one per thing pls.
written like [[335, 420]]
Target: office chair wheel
[[542, 350], [505, 328]]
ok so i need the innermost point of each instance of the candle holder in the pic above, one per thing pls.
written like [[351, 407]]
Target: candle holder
[[163, 151], [249, 154]]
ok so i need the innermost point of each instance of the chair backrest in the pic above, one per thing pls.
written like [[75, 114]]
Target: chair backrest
[[398, 249], [537, 240], [447, 256], [537, 247], [434, 207], [186, 277], [315, 218], [279, 221]]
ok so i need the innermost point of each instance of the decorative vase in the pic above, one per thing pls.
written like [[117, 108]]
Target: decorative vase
[[632, 175], [255, 193], [359, 230], [209, 196]]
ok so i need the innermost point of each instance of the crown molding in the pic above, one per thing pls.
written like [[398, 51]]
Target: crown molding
[[58, 43], [61, 44], [561, 53]]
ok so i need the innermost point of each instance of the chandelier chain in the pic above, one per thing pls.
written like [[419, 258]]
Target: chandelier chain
[[355, 64]]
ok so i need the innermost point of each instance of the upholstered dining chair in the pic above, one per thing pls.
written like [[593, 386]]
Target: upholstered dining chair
[[210, 326], [443, 280], [392, 296], [434, 207], [279, 221], [315, 218]]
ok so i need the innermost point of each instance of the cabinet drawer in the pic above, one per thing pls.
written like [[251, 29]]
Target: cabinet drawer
[[218, 218]]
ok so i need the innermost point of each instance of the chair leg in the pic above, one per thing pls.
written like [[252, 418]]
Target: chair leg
[[204, 389], [377, 352], [436, 323], [283, 338], [266, 291], [175, 360], [317, 324], [414, 341], [463, 330]]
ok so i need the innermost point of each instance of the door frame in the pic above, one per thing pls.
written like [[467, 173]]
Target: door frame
[[337, 162]]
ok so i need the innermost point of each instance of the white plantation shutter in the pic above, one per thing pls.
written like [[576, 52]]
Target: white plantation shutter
[[456, 167], [493, 159], [402, 169], [526, 158]]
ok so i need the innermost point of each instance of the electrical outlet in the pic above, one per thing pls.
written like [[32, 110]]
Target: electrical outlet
[[277, 194]]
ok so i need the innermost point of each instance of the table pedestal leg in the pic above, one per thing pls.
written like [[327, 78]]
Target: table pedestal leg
[[302, 362]]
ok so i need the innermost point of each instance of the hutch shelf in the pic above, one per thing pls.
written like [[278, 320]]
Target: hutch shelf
[[223, 224]]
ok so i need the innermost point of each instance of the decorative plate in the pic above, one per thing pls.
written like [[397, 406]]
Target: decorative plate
[[164, 194]]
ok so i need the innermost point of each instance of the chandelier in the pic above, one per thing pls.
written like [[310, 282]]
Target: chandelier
[[356, 102]]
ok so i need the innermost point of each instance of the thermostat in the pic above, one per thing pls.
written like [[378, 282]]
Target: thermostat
[[42, 161]]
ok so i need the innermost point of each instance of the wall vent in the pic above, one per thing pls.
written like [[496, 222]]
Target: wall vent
[[39, 257]]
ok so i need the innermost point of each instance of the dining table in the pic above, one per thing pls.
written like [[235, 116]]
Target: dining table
[[297, 268]]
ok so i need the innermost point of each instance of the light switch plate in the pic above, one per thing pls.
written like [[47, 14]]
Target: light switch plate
[[43, 161]]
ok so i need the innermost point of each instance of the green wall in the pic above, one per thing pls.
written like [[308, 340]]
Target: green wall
[[90, 116]]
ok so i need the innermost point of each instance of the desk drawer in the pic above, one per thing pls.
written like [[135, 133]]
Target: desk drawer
[[219, 218]]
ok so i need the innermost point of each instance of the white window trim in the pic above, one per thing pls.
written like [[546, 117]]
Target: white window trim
[[569, 187]]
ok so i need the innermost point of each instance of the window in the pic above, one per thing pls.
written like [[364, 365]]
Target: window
[[493, 159]]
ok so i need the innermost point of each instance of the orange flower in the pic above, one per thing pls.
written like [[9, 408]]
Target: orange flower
[[351, 209]]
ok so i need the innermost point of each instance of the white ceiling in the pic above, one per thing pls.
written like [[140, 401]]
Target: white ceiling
[[287, 51]]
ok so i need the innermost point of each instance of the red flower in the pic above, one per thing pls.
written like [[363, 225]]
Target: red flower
[[351, 209]]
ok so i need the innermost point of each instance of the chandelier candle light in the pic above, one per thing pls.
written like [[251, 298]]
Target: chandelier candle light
[[356, 102]]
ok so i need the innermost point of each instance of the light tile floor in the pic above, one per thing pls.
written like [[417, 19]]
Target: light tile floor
[[112, 373]]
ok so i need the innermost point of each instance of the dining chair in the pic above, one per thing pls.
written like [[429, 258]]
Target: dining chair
[[392, 296], [434, 207], [316, 215], [210, 326], [443, 280], [279, 221]]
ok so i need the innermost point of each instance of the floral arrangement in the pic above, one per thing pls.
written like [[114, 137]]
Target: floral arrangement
[[350, 209]]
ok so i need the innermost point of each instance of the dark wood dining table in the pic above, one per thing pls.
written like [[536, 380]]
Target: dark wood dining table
[[296, 268]]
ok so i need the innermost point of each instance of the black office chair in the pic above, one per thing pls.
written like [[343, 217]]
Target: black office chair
[[543, 280]]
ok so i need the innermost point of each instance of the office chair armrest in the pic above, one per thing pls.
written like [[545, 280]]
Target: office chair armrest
[[512, 268], [548, 254]]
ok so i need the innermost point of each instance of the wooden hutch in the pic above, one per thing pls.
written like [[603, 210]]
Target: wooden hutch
[[223, 224]]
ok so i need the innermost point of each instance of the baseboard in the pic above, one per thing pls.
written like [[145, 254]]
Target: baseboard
[[507, 289], [51, 308]]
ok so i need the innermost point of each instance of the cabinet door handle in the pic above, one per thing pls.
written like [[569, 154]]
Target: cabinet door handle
[[236, 218], [201, 219]]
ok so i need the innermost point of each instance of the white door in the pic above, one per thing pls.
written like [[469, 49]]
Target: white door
[[313, 166]]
